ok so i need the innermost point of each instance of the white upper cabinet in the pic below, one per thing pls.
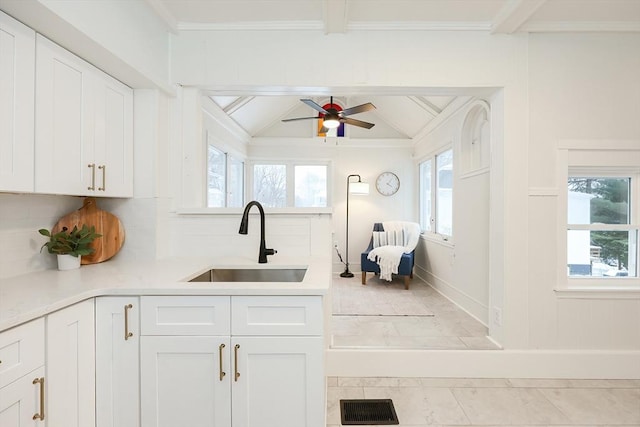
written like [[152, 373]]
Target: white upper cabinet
[[84, 127], [17, 67]]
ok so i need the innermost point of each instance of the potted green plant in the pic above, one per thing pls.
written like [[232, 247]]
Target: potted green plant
[[69, 246]]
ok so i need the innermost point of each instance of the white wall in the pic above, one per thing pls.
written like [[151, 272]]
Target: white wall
[[459, 267], [582, 87]]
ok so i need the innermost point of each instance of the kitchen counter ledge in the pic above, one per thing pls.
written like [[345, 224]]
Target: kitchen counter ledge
[[27, 297]]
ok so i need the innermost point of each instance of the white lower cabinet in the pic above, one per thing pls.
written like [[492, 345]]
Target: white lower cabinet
[[196, 371], [70, 366], [117, 362], [22, 395], [181, 381]]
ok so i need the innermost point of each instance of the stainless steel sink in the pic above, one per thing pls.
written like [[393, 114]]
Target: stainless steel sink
[[251, 275]]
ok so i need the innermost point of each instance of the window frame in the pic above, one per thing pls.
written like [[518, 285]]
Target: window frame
[[290, 166], [432, 233], [605, 282], [217, 145]]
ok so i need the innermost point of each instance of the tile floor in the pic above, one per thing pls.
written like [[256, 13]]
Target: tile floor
[[423, 402], [384, 314]]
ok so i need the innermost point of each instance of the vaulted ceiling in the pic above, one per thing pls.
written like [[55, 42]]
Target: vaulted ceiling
[[398, 115]]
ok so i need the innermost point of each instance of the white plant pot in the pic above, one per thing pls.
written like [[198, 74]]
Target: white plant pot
[[68, 262]]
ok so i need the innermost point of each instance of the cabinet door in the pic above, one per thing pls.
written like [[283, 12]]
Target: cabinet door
[[70, 366], [184, 382], [21, 350], [17, 68], [113, 138], [280, 382], [64, 122], [20, 401], [117, 362]]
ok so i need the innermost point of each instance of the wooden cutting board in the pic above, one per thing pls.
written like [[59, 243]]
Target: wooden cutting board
[[107, 224]]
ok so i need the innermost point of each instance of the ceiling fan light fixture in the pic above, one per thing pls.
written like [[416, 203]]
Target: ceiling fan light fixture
[[331, 122]]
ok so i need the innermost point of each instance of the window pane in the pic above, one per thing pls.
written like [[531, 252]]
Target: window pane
[[216, 176], [270, 185], [235, 197], [598, 200], [602, 253], [425, 195], [310, 186], [444, 201]]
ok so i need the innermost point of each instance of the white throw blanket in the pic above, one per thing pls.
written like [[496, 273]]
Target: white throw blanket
[[388, 257]]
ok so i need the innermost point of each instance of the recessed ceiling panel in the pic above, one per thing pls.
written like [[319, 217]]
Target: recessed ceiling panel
[[588, 11], [424, 10]]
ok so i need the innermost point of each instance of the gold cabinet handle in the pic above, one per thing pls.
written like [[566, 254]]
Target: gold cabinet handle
[[93, 176], [235, 361], [104, 178], [40, 415], [222, 373], [127, 333]]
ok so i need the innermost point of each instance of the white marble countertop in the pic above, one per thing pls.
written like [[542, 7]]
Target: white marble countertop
[[30, 296]]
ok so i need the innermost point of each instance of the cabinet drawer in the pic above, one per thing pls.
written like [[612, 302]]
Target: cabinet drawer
[[21, 351], [184, 315], [276, 315]]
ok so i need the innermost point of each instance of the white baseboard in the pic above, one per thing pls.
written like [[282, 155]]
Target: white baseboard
[[483, 363]]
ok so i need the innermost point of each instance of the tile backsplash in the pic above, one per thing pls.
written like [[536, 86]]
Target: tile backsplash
[[22, 215]]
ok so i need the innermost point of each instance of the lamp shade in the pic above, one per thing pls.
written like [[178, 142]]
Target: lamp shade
[[361, 188]]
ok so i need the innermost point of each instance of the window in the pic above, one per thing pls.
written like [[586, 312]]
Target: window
[[425, 195], [436, 213], [290, 184], [270, 185], [225, 179], [310, 185], [602, 232]]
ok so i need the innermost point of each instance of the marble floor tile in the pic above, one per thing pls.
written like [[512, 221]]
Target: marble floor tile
[[508, 406], [387, 315], [464, 382], [420, 406], [497, 402], [597, 405]]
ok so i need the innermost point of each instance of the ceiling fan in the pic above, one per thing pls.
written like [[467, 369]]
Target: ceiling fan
[[332, 117]]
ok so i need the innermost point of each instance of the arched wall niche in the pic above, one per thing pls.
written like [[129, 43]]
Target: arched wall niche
[[475, 140]]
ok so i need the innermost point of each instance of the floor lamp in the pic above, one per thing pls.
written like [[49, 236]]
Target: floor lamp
[[359, 188]]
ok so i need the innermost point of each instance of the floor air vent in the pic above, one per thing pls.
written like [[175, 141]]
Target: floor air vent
[[368, 411]]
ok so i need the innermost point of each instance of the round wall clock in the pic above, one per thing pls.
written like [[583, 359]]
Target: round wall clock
[[387, 183]]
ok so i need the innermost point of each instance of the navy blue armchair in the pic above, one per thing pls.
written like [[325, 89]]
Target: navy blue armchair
[[367, 266]]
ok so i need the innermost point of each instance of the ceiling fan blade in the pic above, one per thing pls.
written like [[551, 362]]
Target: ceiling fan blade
[[323, 130], [299, 118], [313, 105], [358, 109], [358, 123]]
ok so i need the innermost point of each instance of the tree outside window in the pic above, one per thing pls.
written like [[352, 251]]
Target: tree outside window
[[601, 238], [290, 184]]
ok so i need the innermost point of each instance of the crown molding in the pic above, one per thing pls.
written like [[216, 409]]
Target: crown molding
[[320, 26], [584, 26], [418, 26], [253, 26]]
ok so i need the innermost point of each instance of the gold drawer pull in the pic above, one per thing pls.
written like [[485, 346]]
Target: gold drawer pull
[[40, 415], [93, 176], [127, 333], [222, 373], [104, 178], [235, 360]]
